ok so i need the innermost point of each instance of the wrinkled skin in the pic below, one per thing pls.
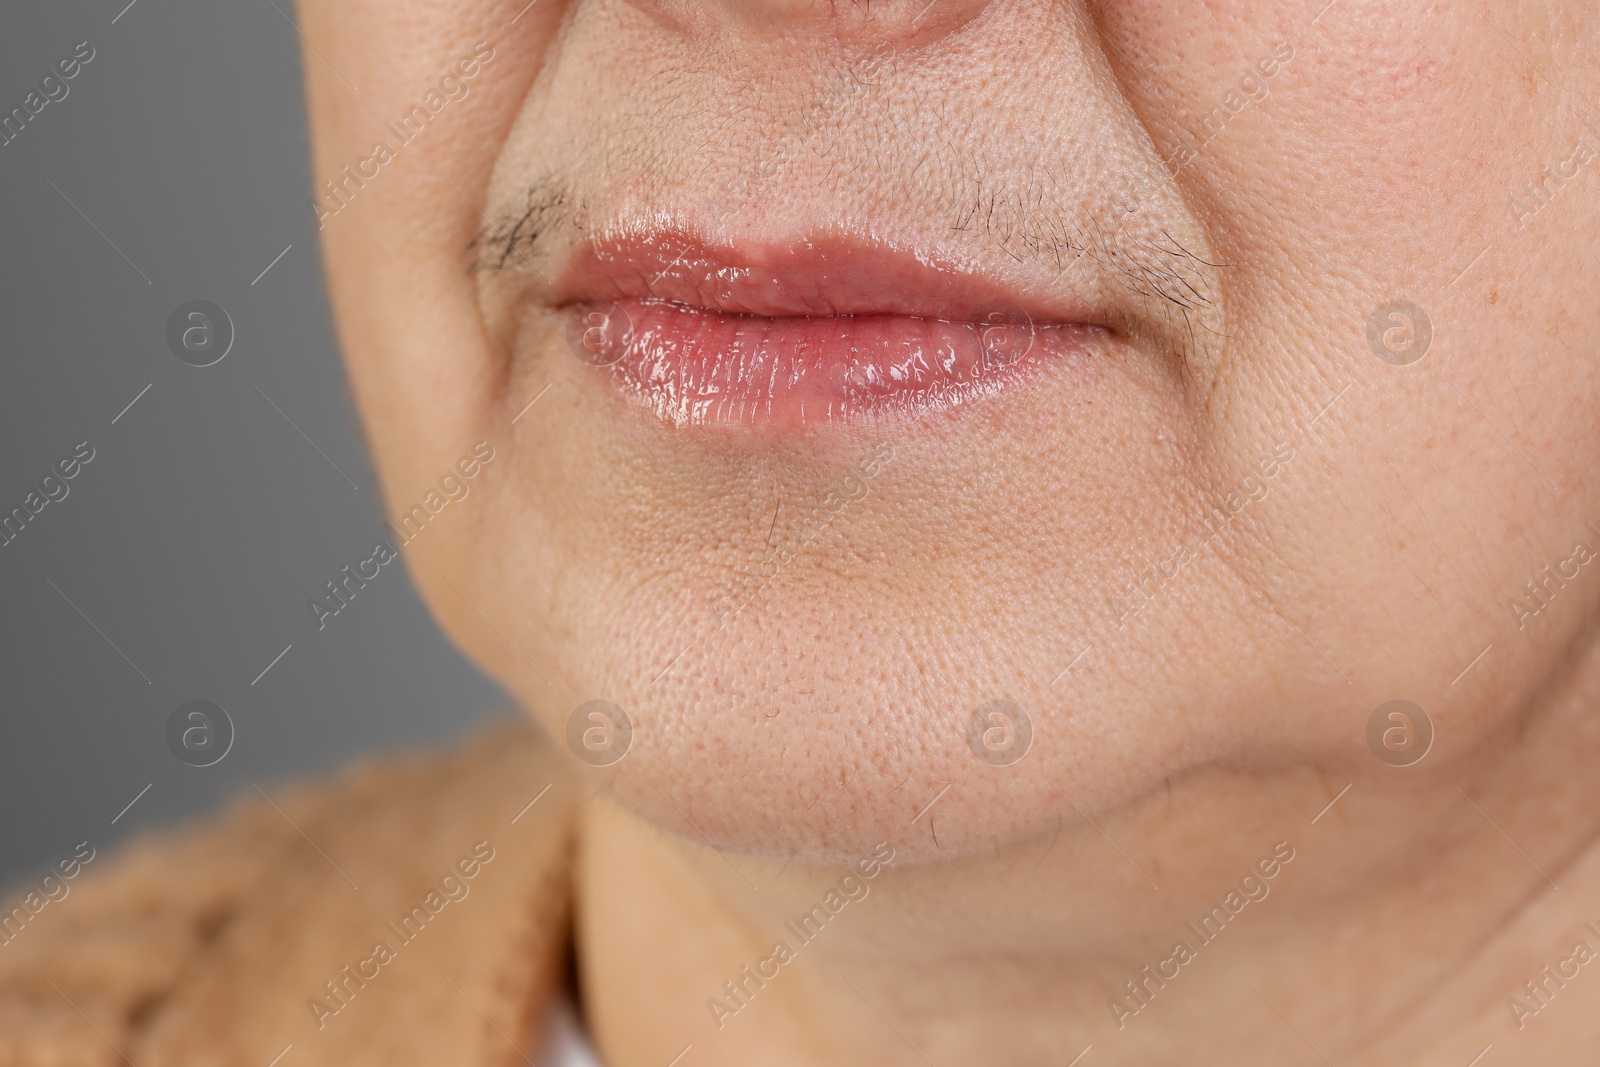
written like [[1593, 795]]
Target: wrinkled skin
[[1241, 269]]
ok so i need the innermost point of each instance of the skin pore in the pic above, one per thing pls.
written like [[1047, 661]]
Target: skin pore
[[1235, 194]]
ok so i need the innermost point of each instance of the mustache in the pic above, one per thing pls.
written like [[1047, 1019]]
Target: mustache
[[1158, 290]]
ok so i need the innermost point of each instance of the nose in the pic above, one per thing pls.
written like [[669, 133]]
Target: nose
[[894, 21]]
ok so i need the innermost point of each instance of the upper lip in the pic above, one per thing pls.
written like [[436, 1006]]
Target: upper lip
[[822, 275]]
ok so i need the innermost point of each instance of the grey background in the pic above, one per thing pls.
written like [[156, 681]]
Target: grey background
[[206, 520]]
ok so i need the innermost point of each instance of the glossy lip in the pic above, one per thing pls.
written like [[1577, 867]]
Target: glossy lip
[[793, 336]]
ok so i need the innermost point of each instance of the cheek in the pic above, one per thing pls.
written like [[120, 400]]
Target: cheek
[[1369, 174]]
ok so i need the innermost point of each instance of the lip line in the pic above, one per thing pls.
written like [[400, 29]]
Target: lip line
[[821, 277]]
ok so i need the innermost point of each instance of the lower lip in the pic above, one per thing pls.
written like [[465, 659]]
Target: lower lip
[[696, 367]]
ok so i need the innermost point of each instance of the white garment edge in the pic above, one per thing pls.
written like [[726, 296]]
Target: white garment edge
[[565, 1044]]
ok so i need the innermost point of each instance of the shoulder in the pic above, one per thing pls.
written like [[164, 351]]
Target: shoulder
[[414, 908]]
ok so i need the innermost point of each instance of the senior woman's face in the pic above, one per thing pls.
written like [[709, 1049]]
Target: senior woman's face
[[1190, 378]]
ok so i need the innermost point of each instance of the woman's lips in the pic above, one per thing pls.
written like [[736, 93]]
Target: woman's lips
[[795, 337]]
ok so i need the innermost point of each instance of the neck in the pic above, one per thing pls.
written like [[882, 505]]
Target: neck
[[1418, 918]]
